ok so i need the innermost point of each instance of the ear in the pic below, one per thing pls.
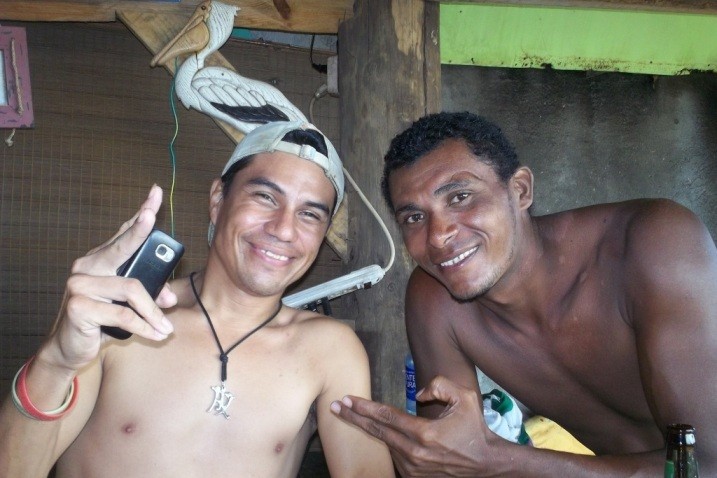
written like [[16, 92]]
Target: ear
[[521, 185], [216, 195]]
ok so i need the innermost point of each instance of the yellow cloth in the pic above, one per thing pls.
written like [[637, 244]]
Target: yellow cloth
[[545, 433]]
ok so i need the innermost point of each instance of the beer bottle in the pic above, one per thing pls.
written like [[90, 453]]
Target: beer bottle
[[680, 461]]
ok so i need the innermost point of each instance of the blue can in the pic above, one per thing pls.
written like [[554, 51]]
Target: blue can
[[410, 385]]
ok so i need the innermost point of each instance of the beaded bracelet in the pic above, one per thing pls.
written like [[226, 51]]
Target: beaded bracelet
[[22, 400]]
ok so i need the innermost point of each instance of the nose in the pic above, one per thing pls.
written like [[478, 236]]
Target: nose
[[441, 230], [282, 224]]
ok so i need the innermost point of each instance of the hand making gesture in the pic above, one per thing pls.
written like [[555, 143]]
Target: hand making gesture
[[450, 445]]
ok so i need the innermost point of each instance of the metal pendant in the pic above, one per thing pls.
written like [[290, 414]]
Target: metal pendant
[[222, 399]]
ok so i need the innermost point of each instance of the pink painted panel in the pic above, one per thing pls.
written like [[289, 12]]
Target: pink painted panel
[[17, 113]]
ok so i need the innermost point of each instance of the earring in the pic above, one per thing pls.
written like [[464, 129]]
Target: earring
[[210, 234]]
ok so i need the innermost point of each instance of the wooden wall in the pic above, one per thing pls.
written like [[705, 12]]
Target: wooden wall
[[103, 124], [389, 66]]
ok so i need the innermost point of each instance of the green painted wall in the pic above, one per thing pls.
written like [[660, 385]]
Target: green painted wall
[[578, 39]]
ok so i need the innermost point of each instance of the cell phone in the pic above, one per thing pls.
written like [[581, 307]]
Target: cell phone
[[152, 264]]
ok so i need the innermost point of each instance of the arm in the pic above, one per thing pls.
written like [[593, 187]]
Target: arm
[[29, 447], [458, 443], [430, 313], [349, 451], [672, 263]]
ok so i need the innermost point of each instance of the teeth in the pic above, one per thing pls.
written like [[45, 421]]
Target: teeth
[[459, 258], [275, 256]]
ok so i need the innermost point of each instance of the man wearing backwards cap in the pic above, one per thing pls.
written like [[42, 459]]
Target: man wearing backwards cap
[[162, 403]]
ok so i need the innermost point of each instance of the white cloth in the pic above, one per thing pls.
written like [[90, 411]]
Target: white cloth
[[503, 416]]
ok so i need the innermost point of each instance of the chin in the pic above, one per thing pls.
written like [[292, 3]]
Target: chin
[[465, 291], [458, 290], [466, 295], [264, 288]]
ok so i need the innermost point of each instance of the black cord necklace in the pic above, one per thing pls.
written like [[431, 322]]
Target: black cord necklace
[[222, 396]]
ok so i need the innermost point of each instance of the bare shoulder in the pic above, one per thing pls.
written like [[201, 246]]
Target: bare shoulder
[[644, 248], [637, 227], [325, 333], [332, 347], [669, 256], [435, 322], [660, 213], [651, 237], [313, 320], [421, 283], [424, 289], [428, 300], [662, 231]]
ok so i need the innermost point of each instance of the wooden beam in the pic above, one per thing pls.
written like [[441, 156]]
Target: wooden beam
[[388, 59], [306, 16], [154, 30], [283, 8], [682, 6], [75, 11]]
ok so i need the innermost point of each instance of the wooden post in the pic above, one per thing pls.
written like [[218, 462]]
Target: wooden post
[[389, 76]]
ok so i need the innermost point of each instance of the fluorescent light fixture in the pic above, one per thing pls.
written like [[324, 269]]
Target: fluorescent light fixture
[[360, 279]]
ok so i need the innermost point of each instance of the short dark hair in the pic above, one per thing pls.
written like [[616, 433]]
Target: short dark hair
[[485, 140], [301, 137]]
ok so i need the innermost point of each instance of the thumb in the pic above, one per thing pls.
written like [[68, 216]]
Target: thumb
[[441, 389]]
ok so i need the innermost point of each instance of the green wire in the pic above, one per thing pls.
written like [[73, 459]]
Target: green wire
[[171, 150]]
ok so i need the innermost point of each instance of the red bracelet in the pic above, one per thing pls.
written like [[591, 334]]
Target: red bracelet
[[22, 400]]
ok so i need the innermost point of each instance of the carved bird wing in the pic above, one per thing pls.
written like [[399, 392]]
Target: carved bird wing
[[217, 91], [247, 103]]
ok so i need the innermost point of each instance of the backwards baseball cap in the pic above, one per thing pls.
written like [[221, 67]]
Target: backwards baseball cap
[[269, 137]]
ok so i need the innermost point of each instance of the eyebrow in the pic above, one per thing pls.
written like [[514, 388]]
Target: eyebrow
[[452, 186], [262, 181], [320, 206], [448, 187], [410, 207]]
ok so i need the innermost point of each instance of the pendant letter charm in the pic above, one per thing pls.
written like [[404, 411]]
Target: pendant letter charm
[[222, 399]]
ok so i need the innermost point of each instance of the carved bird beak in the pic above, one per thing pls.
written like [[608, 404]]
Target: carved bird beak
[[193, 37]]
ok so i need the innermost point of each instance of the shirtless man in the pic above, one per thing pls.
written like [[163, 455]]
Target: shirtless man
[[601, 318], [152, 405]]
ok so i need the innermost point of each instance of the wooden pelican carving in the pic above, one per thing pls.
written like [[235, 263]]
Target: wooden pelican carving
[[219, 92]]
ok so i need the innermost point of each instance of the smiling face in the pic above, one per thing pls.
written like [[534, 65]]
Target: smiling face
[[270, 222], [459, 222]]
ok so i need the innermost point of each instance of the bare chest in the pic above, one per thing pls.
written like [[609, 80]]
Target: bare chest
[[578, 366], [171, 400]]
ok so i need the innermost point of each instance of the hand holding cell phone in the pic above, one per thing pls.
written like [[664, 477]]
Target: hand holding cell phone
[[93, 286], [152, 264]]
